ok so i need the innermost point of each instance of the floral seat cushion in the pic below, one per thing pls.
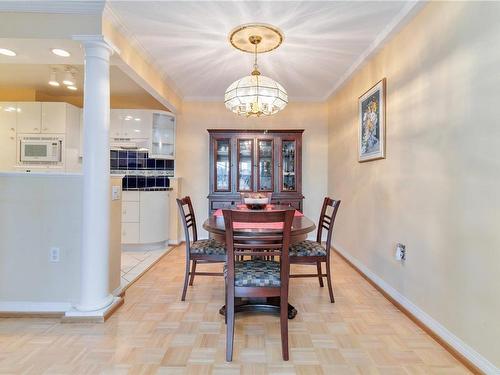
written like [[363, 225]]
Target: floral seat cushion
[[307, 249], [255, 273], [207, 247]]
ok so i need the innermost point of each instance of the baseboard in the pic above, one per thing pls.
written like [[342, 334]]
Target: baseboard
[[99, 316], [15, 309], [474, 361]]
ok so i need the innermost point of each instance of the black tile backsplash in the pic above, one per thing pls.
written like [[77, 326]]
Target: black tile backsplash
[[128, 161]]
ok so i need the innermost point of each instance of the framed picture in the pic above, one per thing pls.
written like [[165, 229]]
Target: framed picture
[[371, 128]]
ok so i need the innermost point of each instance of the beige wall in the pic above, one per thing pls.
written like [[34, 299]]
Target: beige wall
[[438, 189], [192, 147]]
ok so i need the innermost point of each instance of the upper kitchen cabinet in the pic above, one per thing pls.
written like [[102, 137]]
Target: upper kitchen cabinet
[[7, 135], [163, 136], [29, 117], [44, 117], [130, 124]]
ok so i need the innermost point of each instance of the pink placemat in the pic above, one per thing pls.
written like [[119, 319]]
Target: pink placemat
[[269, 207], [237, 225]]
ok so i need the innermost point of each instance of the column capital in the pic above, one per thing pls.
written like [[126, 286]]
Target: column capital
[[96, 42]]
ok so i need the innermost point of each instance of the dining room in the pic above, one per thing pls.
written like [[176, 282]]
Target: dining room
[[301, 187]]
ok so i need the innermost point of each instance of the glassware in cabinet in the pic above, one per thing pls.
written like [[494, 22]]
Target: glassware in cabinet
[[245, 164], [223, 165], [288, 165], [265, 177]]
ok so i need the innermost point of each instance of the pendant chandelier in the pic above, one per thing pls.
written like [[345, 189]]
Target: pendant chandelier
[[255, 95]]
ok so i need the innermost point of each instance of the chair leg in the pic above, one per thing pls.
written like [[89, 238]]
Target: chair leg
[[186, 278], [193, 270], [225, 301], [329, 280], [320, 278], [230, 325], [284, 326]]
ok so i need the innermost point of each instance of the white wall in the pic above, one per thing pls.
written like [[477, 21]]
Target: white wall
[[438, 189], [37, 212], [192, 157]]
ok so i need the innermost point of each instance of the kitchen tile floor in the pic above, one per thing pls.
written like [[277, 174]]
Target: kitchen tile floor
[[135, 263]]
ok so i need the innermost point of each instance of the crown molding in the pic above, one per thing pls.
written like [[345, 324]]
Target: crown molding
[[58, 7], [115, 20], [392, 28]]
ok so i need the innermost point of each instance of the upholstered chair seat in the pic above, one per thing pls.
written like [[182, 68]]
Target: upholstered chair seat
[[207, 247], [307, 248], [256, 273]]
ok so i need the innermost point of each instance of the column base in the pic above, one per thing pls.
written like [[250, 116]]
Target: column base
[[108, 300], [94, 316]]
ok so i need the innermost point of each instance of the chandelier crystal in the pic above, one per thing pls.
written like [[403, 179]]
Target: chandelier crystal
[[255, 95]]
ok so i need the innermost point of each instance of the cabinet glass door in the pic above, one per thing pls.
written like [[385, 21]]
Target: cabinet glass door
[[163, 136], [245, 164], [265, 164], [222, 165], [288, 165]]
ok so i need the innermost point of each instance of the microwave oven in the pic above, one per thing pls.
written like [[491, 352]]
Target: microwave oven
[[40, 149]]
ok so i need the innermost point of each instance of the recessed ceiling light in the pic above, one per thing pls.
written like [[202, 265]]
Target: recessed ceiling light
[[137, 119], [61, 52], [7, 52], [72, 88], [53, 79]]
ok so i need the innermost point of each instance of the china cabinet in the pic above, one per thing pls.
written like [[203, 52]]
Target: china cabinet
[[255, 161]]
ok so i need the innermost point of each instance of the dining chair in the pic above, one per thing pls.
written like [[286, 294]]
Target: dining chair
[[197, 251], [257, 277], [313, 252]]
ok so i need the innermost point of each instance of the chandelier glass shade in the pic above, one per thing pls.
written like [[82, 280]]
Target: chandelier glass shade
[[255, 95]]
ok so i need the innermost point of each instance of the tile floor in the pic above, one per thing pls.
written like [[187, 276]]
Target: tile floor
[[135, 263]]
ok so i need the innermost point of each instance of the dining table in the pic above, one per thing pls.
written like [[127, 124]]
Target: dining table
[[301, 226]]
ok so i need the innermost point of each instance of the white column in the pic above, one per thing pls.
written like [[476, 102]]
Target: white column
[[94, 278]]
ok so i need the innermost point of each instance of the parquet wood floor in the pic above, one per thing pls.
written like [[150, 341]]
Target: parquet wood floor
[[155, 333]]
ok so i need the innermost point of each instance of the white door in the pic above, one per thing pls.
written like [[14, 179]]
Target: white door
[[29, 117], [8, 114], [154, 216], [53, 118]]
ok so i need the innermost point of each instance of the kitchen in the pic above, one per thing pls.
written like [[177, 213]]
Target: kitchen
[[41, 159]]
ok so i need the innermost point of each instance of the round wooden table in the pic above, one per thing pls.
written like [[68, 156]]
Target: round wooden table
[[301, 226]]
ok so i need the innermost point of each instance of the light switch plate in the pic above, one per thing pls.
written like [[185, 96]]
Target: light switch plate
[[116, 193]]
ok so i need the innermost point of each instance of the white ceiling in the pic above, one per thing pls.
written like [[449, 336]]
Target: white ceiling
[[324, 41]]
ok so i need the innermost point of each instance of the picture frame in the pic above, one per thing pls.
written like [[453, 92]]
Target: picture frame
[[371, 123]]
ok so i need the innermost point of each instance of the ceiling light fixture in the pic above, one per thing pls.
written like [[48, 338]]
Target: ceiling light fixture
[[60, 52], [69, 78], [53, 78], [255, 95], [7, 52], [72, 88]]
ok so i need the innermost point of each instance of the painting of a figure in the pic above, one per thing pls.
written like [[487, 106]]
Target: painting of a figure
[[371, 137]]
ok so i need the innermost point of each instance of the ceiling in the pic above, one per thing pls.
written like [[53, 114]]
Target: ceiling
[[188, 41], [36, 76]]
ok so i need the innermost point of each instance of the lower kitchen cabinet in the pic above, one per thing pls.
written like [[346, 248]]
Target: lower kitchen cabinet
[[145, 217]]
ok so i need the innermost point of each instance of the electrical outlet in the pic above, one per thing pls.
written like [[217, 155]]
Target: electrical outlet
[[400, 252], [54, 255]]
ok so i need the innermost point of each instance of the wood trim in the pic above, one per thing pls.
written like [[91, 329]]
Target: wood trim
[[229, 159], [258, 131], [466, 362]]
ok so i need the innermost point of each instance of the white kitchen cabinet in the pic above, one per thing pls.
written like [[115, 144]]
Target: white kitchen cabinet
[[130, 123], [115, 123], [54, 117], [29, 117], [154, 216], [8, 120], [130, 233], [130, 212], [145, 217], [163, 136]]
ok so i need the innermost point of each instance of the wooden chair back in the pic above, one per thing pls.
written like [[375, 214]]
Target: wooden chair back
[[242, 243], [188, 219], [327, 219]]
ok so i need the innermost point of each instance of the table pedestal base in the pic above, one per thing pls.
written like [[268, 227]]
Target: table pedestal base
[[270, 304]]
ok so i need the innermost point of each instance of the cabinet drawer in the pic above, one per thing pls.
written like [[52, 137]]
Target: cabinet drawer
[[130, 233], [130, 196], [217, 205], [130, 212]]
